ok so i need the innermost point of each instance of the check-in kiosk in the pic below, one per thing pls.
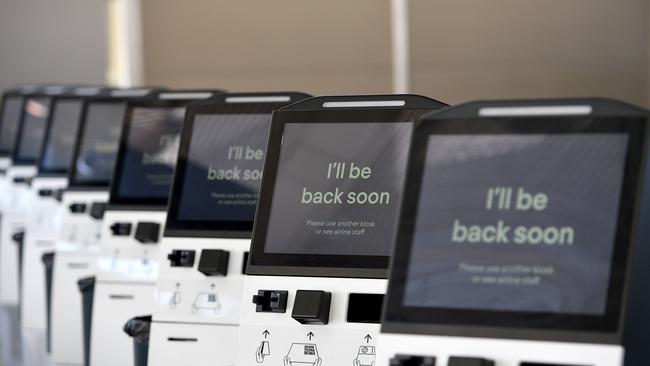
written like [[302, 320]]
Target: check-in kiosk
[[522, 238], [84, 202], [10, 117], [44, 216], [128, 262], [324, 230], [30, 135], [207, 233]]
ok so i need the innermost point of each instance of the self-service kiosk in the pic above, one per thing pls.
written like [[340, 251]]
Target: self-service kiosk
[[523, 238], [44, 216], [26, 151], [207, 233], [128, 262], [84, 202], [324, 230], [10, 117]]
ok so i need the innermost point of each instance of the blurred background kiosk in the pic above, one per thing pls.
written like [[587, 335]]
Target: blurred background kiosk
[[128, 262], [207, 233], [324, 229], [84, 202], [523, 239], [34, 113], [44, 215], [12, 210]]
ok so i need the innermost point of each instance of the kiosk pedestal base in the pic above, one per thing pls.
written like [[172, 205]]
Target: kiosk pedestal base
[[34, 348], [114, 305]]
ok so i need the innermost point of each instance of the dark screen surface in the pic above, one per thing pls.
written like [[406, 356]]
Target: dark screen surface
[[338, 188], [59, 146], [32, 133], [517, 227], [97, 150], [224, 167], [146, 168], [11, 112], [522, 223]]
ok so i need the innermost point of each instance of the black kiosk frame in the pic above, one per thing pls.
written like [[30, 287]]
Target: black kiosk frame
[[381, 109], [227, 103], [623, 321]]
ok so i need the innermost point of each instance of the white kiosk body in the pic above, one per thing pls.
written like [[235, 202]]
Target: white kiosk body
[[521, 239]]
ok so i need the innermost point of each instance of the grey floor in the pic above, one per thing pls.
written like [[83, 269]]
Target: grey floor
[[10, 347]]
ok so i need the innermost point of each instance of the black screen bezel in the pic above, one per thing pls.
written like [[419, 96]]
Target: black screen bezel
[[355, 266], [15, 158], [207, 228], [115, 198], [512, 324], [9, 152], [72, 179], [48, 135]]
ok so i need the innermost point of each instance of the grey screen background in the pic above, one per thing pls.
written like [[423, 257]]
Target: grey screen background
[[306, 151], [100, 142], [204, 199], [34, 125], [10, 121], [60, 144], [582, 177], [154, 136]]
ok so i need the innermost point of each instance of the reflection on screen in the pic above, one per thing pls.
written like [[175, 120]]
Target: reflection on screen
[[224, 167], [10, 121], [59, 146], [338, 188], [100, 142], [33, 130], [521, 223], [153, 140]]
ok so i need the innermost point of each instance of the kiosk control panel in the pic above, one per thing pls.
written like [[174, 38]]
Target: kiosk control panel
[[324, 229], [520, 240], [207, 233]]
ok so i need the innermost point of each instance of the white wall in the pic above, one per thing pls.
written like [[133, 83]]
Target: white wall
[[52, 41]]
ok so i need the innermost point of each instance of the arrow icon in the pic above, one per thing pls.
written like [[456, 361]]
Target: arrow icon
[[266, 333], [310, 335], [367, 338]]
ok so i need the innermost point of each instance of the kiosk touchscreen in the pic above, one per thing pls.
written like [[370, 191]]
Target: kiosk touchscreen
[[10, 112], [324, 229], [84, 202], [45, 213], [207, 233], [520, 240], [127, 267]]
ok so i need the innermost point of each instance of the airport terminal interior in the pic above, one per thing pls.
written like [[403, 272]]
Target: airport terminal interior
[[334, 183]]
